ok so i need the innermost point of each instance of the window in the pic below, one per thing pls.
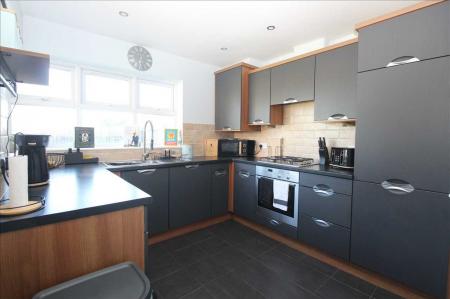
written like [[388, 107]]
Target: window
[[104, 89], [156, 96], [116, 106], [60, 86]]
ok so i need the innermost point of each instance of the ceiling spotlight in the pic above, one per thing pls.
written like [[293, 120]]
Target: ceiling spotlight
[[270, 28], [123, 13], [224, 48]]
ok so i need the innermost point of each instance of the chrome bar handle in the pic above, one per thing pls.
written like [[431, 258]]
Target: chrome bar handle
[[244, 174], [397, 186], [258, 121], [321, 222], [323, 190], [338, 116], [146, 171], [221, 172], [193, 166], [226, 128], [290, 101], [274, 222], [402, 60]]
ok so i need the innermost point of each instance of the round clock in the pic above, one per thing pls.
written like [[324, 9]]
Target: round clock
[[140, 58]]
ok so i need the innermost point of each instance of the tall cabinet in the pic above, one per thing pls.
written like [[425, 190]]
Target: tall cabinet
[[402, 164]]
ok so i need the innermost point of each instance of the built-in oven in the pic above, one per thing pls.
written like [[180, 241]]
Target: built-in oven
[[278, 191]]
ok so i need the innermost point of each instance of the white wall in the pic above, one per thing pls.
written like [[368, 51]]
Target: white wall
[[73, 45]]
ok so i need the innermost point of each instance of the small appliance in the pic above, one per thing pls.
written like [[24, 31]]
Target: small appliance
[[33, 146], [342, 157], [236, 148]]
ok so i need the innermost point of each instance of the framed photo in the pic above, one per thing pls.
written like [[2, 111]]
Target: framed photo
[[170, 137], [84, 137]]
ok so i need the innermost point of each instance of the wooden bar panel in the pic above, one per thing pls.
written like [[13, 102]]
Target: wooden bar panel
[[40, 257]]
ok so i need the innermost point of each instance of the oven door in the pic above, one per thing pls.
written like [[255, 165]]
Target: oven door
[[269, 207]]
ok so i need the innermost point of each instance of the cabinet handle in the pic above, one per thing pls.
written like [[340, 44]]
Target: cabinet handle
[[338, 116], [226, 128], [323, 190], [402, 60], [290, 101], [220, 172], [244, 174], [193, 166], [321, 222], [274, 222], [398, 187], [258, 121], [146, 171]]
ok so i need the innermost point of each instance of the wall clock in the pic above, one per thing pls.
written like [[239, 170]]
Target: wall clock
[[140, 58]]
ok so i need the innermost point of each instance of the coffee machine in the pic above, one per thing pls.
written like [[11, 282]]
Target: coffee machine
[[33, 146]]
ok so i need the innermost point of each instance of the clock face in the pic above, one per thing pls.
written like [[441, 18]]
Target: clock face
[[140, 58]]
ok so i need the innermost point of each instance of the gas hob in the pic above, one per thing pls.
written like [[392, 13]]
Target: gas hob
[[289, 160]]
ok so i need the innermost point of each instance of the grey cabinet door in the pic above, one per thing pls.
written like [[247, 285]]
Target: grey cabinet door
[[219, 189], [189, 195], [403, 130], [293, 81], [156, 183], [245, 200], [405, 237], [259, 97], [423, 34], [228, 99], [335, 85]]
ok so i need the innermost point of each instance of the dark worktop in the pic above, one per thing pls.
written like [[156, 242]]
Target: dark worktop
[[316, 169], [78, 191]]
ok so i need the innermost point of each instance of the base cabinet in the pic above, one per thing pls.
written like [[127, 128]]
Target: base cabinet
[[405, 237], [245, 200], [156, 183], [189, 195], [219, 189]]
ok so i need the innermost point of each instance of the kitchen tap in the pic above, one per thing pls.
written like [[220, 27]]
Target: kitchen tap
[[145, 155]]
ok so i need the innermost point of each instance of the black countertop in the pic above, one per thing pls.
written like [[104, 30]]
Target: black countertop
[[75, 192], [316, 169]]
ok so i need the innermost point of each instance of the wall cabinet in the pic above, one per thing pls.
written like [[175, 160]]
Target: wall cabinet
[[231, 96], [190, 194], [293, 81], [156, 183], [219, 189], [403, 236], [335, 84], [403, 130], [245, 199], [422, 34]]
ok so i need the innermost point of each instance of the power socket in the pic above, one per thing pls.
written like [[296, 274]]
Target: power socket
[[263, 145]]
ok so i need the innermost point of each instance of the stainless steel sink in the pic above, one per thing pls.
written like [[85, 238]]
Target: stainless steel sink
[[132, 162]]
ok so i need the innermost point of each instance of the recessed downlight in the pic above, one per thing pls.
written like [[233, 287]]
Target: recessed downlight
[[224, 49], [123, 13], [270, 27]]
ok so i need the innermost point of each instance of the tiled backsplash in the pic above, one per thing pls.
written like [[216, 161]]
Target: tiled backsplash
[[300, 133], [196, 134]]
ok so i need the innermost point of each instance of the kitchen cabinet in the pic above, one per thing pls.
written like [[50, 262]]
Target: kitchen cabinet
[[403, 132], [219, 189], [402, 236], [293, 81], [189, 195], [245, 199], [260, 110], [231, 99], [421, 34], [156, 183], [335, 84]]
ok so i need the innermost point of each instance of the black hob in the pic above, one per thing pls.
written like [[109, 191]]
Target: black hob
[[289, 160]]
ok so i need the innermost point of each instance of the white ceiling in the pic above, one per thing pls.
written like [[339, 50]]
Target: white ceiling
[[198, 29]]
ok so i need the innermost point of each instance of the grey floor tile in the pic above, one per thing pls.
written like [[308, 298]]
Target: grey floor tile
[[163, 267], [291, 251], [189, 255], [336, 290], [355, 282], [294, 270], [231, 258], [200, 293], [206, 270], [231, 286], [213, 245], [198, 235], [384, 294], [321, 266], [175, 285], [254, 247], [176, 243]]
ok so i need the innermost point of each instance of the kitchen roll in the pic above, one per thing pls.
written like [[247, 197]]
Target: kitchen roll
[[18, 181]]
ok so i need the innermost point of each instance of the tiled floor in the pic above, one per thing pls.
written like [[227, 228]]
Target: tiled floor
[[229, 260]]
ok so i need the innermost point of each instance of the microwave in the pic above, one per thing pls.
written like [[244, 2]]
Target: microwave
[[236, 148]]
